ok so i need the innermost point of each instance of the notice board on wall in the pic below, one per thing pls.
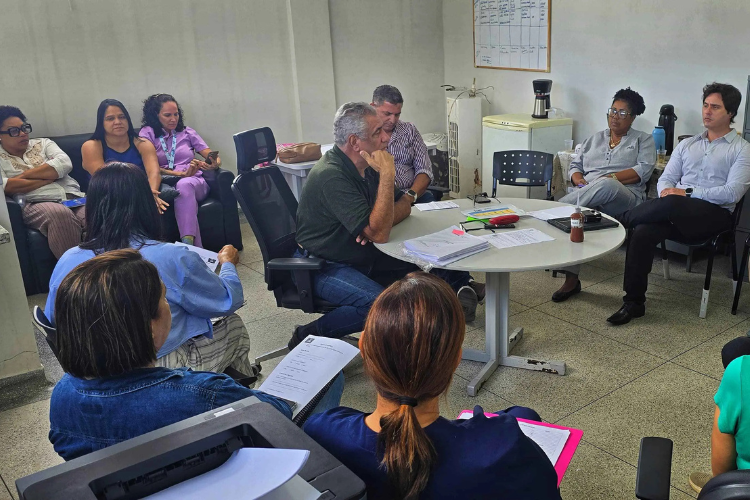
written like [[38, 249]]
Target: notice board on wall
[[512, 34]]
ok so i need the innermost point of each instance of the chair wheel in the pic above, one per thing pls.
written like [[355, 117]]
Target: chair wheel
[[257, 368]]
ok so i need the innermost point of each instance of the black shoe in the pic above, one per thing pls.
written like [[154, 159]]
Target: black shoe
[[479, 288], [296, 339], [628, 311], [559, 296]]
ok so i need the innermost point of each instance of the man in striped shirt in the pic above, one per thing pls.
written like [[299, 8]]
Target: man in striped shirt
[[413, 165]]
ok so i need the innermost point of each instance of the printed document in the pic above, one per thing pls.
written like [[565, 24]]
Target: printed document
[[305, 371], [553, 213], [488, 212], [550, 440], [210, 258], [250, 473], [435, 205], [517, 238], [446, 246]]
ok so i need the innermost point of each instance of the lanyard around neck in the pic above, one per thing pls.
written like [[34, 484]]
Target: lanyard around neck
[[169, 154]]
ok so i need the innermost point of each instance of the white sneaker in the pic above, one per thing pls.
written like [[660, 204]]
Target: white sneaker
[[468, 299]]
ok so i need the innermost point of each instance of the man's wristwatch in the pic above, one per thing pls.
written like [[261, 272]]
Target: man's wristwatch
[[688, 192], [411, 193]]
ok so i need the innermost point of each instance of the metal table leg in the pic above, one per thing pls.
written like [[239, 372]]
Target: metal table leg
[[498, 341]]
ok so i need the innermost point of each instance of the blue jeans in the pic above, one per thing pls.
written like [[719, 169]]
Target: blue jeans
[[332, 398], [427, 197], [354, 290]]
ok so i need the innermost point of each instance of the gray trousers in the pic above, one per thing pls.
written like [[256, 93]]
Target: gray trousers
[[606, 195]]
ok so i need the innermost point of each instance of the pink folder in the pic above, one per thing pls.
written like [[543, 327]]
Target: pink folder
[[567, 453]]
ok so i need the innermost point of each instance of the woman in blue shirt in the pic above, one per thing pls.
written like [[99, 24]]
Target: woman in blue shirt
[[120, 214], [114, 139], [112, 318], [411, 345]]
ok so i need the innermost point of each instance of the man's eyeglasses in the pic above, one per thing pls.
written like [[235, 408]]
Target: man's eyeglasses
[[16, 131], [623, 114]]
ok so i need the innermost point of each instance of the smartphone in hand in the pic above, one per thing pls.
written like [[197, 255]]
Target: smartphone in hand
[[212, 156]]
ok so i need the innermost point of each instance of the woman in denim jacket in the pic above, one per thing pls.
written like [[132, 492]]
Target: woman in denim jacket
[[112, 317]]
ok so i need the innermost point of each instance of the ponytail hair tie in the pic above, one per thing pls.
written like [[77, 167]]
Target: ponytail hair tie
[[405, 400]]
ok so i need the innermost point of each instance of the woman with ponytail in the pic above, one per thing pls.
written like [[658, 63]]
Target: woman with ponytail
[[411, 345]]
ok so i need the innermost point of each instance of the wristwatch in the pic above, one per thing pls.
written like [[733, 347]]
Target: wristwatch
[[411, 193], [688, 192]]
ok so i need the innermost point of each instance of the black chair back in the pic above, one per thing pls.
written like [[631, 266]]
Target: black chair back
[[254, 147], [44, 326], [733, 485], [71, 145], [522, 168], [271, 209]]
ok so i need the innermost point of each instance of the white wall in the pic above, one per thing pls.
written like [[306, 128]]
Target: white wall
[[666, 51], [394, 42], [227, 63]]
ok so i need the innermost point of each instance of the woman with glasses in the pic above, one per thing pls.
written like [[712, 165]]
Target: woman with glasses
[[114, 139], [404, 449], [611, 170], [39, 170], [176, 145]]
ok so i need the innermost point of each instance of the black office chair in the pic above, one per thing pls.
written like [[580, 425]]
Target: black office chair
[[741, 275], [522, 168], [653, 475], [271, 209], [712, 244]]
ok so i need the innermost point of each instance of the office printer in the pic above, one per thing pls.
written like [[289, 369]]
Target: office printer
[[154, 461]]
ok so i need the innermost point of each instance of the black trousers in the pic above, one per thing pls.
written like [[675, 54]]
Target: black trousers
[[672, 217]]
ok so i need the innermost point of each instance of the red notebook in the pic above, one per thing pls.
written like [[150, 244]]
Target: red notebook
[[571, 444]]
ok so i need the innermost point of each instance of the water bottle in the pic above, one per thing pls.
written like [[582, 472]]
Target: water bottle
[[660, 137]]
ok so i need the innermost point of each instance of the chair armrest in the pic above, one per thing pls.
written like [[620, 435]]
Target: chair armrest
[[653, 475], [294, 264], [220, 184]]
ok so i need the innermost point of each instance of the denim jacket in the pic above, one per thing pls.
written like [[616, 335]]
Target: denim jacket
[[88, 415]]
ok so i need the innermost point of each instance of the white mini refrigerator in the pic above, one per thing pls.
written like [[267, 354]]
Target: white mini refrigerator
[[508, 132]]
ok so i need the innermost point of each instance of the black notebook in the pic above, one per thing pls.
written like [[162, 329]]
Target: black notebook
[[564, 224]]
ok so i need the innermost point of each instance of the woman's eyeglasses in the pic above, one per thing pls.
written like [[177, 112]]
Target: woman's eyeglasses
[[16, 131], [621, 112]]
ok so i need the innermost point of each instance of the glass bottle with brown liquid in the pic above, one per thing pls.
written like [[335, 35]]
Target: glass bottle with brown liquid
[[576, 226]]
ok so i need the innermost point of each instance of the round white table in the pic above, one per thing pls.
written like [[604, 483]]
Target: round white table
[[498, 264]]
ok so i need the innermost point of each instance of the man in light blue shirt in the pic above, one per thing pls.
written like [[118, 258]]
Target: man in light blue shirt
[[707, 175]]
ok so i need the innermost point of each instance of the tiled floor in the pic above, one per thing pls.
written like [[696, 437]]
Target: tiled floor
[[654, 377]]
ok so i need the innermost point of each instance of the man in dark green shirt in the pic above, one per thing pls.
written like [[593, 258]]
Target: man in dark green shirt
[[349, 202]]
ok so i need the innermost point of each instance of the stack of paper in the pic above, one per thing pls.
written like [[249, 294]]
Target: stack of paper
[[446, 246], [436, 205]]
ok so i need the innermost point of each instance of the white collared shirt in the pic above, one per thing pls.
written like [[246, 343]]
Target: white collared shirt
[[39, 152]]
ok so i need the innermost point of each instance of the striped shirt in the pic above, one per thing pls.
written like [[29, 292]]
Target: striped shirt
[[409, 153]]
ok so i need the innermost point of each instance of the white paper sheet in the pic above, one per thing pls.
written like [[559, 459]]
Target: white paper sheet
[[210, 258], [553, 213], [507, 239], [550, 440], [307, 369], [250, 473], [294, 489], [435, 205]]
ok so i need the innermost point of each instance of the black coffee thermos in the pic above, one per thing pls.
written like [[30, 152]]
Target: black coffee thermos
[[666, 120]]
